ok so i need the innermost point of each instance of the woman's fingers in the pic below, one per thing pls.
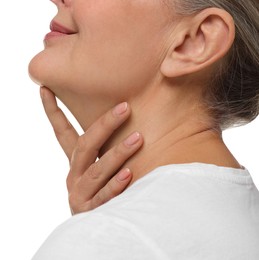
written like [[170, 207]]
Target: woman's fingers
[[65, 132], [91, 183], [90, 143], [113, 188], [100, 172]]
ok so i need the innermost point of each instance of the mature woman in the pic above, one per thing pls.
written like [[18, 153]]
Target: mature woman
[[181, 72]]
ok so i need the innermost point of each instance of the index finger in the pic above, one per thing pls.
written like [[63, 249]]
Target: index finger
[[66, 134], [89, 144]]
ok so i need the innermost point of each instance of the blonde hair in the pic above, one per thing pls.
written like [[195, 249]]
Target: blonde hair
[[233, 98]]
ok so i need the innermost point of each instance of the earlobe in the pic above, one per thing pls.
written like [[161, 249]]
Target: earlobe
[[209, 37]]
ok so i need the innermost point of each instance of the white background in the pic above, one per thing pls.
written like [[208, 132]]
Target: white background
[[33, 194]]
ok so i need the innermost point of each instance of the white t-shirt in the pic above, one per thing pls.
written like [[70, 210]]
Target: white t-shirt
[[178, 212]]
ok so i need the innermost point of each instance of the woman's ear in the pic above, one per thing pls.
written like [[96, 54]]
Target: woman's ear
[[199, 41]]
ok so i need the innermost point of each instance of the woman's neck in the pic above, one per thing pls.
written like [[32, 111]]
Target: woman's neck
[[174, 132], [176, 129]]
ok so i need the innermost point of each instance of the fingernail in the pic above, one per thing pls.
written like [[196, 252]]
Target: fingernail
[[124, 174], [132, 139], [120, 109]]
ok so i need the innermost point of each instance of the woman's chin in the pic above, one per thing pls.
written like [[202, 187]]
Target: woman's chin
[[43, 70], [36, 70]]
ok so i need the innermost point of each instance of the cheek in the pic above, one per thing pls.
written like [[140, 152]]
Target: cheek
[[106, 68], [116, 46]]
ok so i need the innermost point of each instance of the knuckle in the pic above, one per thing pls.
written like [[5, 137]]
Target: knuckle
[[81, 143], [57, 133], [99, 199], [73, 201], [105, 122], [108, 121], [107, 193], [93, 171], [72, 182], [76, 203], [119, 151], [64, 130], [111, 191], [69, 181]]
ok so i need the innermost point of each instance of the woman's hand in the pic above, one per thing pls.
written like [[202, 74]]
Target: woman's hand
[[91, 183]]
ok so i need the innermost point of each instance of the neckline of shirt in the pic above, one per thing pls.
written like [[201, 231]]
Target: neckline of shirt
[[227, 174]]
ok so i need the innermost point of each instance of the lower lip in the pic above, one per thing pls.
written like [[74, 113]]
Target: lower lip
[[54, 34]]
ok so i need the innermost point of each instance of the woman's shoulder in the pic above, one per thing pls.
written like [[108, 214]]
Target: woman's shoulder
[[169, 204]]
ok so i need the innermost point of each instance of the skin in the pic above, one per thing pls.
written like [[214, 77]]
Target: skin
[[91, 183], [170, 59]]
